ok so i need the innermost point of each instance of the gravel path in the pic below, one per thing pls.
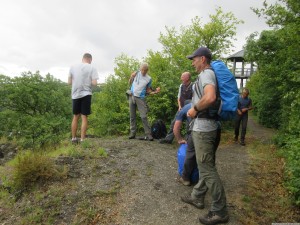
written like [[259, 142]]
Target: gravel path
[[152, 194]]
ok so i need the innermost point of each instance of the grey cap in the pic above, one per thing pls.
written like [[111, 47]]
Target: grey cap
[[202, 51]]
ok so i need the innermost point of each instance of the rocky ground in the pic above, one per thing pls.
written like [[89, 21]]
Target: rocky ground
[[137, 184]]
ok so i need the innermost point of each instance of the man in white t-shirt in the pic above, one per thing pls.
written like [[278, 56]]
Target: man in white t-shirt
[[82, 76]]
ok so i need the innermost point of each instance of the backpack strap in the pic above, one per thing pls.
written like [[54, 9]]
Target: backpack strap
[[212, 111]]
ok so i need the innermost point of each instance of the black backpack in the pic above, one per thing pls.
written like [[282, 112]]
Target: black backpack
[[158, 129]]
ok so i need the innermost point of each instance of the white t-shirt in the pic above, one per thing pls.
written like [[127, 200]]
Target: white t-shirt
[[82, 75], [140, 84]]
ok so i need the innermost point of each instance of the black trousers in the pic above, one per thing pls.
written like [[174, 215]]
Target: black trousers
[[243, 119], [190, 162]]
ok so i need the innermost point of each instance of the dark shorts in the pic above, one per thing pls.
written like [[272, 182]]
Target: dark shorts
[[82, 105]]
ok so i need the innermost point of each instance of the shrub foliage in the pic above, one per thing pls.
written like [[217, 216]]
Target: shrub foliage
[[275, 87], [35, 110]]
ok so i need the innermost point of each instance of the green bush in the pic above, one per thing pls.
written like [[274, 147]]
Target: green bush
[[30, 168], [35, 110], [292, 168]]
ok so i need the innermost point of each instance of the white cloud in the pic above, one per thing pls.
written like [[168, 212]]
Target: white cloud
[[50, 36]]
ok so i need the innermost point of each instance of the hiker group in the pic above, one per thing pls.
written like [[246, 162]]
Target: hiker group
[[201, 106]]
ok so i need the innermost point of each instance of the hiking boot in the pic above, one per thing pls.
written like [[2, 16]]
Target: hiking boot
[[165, 141], [197, 202], [235, 139], [211, 218], [132, 136], [184, 182], [243, 143]]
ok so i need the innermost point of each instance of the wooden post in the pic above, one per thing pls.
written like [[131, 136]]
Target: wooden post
[[241, 85], [243, 69]]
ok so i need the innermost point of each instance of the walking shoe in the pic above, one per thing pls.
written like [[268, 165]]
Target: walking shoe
[[211, 219], [132, 136], [197, 202], [75, 141], [184, 182], [149, 138], [165, 141]]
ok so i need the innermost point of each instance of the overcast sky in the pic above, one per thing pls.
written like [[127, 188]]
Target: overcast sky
[[50, 36]]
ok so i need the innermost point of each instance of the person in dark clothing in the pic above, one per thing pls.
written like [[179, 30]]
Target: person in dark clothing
[[244, 105], [185, 95], [190, 162]]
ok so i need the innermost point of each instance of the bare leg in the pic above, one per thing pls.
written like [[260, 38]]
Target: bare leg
[[84, 125], [74, 125]]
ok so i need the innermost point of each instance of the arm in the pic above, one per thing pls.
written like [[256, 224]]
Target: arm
[[70, 80], [178, 98], [150, 92], [207, 100], [246, 109], [176, 131], [132, 76], [179, 105], [249, 107], [94, 82]]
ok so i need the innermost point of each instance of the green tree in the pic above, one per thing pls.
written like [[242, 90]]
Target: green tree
[[35, 110]]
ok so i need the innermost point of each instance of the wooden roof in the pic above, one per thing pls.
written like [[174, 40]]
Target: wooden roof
[[238, 56]]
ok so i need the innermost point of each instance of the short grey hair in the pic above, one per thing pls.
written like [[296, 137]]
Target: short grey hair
[[144, 65]]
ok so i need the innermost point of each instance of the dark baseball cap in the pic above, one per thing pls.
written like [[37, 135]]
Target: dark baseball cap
[[202, 51]]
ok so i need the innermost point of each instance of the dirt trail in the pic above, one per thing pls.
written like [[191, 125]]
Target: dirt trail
[[141, 177], [152, 194]]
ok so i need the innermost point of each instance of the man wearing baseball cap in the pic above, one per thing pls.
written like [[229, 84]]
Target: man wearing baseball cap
[[206, 135]]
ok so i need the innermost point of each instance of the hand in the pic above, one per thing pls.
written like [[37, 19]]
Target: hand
[[157, 90], [239, 112], [192, 113], [182, 141], [244, 110]]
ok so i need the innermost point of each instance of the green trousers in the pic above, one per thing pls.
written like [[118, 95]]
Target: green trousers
[[206, 144]]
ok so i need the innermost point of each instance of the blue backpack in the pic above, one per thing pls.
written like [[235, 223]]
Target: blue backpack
[[227, 94], [181, 153]]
